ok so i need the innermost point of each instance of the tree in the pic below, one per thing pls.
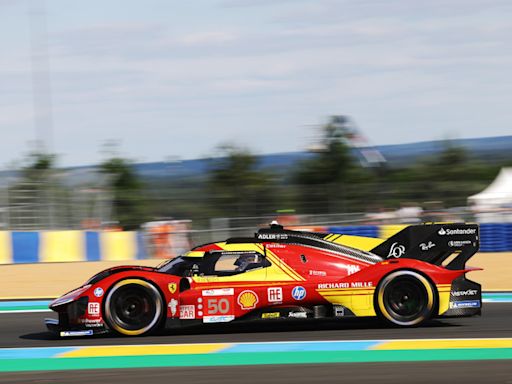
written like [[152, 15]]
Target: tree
[[324, 176], [238, 187], [332, 161], [127, 190], [39, 165], [448, 176]]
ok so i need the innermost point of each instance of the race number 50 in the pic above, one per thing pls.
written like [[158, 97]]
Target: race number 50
[[217, 306]]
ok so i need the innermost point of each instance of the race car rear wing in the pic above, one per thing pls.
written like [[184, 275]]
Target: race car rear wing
[[433, 243]]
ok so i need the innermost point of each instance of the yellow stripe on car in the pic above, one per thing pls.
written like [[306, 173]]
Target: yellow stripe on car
[[358, 300]]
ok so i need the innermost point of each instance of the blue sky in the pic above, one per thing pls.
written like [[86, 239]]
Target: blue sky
[[177, 78]]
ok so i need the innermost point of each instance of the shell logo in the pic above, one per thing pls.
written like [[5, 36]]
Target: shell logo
[[247, 300]]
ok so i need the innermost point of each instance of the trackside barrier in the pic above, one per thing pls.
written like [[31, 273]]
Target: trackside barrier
[[68, 246], [496, 237], [356, 230], [65, 246]]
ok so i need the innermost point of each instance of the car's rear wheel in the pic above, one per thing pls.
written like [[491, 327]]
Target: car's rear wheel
[[405, 298], [133, 307]]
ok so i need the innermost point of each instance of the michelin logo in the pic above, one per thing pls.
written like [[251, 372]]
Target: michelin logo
[[457, 231], [465, 304]]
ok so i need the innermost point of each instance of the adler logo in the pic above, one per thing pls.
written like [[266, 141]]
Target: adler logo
[[457, 231], [272, 236]]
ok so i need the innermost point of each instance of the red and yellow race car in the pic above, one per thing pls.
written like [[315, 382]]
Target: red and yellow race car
[[416, 275]]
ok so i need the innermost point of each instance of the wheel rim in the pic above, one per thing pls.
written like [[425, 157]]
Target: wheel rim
[[406, 298], [134, 307]]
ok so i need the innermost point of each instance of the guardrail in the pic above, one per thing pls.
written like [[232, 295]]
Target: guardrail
[[65, 246], [69, 246]]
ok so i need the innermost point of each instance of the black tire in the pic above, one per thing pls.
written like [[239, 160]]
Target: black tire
[[405, 298], [133, 307]]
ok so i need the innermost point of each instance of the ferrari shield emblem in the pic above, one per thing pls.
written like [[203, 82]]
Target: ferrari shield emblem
[[172, 287]]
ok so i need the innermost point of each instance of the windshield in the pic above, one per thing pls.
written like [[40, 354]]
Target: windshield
[[180, 266]]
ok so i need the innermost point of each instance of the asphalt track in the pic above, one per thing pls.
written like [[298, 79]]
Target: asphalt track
[[27, 330]]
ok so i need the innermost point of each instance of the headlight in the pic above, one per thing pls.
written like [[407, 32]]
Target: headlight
[[69, 297]]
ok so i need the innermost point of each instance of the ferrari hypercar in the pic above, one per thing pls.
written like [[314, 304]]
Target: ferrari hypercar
[[416, 275]]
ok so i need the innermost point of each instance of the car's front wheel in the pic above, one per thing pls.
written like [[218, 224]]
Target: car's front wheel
[[405, 298], [133, 307]]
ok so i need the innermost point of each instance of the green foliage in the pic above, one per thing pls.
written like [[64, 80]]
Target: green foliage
[[323, 179], [38, 166], [237, 186], [332, 163], [449, 177], [128, 197]]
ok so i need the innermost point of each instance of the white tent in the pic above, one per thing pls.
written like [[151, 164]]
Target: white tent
[[497, 194]]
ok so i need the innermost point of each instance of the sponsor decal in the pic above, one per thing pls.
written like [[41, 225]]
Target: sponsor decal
[[275, 294], [333, 285], [172, 287], [173, 305], [317, 273], [247, 300], [270, 315], [187, 312], [298, 315], [93, 309], [219, 292], [93, 323], [468, 292], [361, 284], [98, 292], [465, 304], [218, 319], [298, 293], [351, 269], [88, 332], [396, 251], [459, 243], [427, 246], [354, 284], [457, 231], [90, 321], [272, 236], [270, 246]]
